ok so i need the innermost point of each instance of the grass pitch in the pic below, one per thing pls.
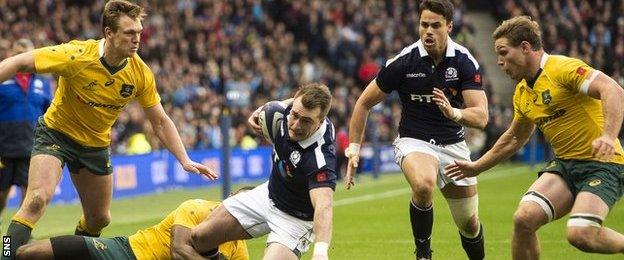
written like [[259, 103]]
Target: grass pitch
[[371, 221]]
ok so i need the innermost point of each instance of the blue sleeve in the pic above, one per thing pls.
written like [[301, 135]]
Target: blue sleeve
[[470, 75], [391, 76], [324, 177]]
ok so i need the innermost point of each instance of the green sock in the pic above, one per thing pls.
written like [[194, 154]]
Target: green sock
[[19, 234]]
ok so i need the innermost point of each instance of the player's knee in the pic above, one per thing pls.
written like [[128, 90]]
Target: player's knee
[[583, 230], [100, 220], [27, 251], [465, 214], [582, 238], [37, 201], [524, 221], [423, 187]]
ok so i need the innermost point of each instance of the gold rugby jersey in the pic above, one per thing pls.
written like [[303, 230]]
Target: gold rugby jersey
[[558, 104], [155, 242], [91, 93]]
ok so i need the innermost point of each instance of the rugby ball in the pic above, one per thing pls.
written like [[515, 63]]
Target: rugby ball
[[270, 118]]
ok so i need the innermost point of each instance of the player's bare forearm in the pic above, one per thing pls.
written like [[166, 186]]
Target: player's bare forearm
[[476, 113], [507, 144], [24, 62], [357, 123], [323, 213], [166, 132], [170, 137], [476, 117], [181, 247], [371, 96], [186, 252]]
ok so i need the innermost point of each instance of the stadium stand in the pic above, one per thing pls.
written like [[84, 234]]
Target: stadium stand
[[260, 50], [257, 50]]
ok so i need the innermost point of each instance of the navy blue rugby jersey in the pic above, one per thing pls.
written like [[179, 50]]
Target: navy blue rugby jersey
[[301, 166], [413, 75]]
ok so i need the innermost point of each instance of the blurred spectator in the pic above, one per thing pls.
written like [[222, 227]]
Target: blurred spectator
[[23, 99], [138, 144], [592, 31]]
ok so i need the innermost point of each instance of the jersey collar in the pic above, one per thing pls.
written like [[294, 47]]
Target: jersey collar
[[543, 60], [450, 48], [111, 69], [314, 137]]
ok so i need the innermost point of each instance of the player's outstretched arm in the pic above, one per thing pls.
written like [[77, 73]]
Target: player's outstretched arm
[[371, 96], [168, 135], [509, 143], [24, 62], [182, 247], [611, 95], [323, 212]]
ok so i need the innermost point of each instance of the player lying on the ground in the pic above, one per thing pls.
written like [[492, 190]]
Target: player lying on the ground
[[169, 239]]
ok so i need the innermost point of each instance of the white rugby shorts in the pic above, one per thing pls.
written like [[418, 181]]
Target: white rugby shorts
[[444, 153], [256, 212]]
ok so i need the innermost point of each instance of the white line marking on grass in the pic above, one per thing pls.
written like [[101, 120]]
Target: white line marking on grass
[[397, 192]]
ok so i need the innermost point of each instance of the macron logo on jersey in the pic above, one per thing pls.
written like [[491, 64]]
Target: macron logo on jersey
[[416, 75]]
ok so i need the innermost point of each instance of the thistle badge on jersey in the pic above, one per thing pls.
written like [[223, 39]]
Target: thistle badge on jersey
[[451, 74], [295, 157]]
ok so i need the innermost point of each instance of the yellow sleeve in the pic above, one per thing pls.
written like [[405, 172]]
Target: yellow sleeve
[[188, 214], [517, 113], [241, 252], [148, 96], [58, 59], [572, 73]]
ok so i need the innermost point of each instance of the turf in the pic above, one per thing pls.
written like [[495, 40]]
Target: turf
[[371, 220]]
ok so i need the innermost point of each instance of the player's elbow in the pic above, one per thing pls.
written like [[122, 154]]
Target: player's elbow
[[481, 122]]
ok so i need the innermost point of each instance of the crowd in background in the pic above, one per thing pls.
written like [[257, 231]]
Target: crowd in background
[[592, 31], [215, 57]]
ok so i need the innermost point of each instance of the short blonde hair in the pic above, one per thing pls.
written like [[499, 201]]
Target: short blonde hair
[[519, 29], [115, 8]]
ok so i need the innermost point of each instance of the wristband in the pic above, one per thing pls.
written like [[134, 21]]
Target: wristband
[[320, 248], [457, 115], [352, 150]]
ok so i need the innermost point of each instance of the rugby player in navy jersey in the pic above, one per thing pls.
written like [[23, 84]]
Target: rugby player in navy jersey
[[439, 85], [295, 205]]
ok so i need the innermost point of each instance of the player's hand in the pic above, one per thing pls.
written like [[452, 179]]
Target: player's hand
[[353, 154], [199, 168], [603, 148], [461, 169], [440, 99], [253, 121]]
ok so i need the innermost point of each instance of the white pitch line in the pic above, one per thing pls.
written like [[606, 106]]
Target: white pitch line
[[397, 192]]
